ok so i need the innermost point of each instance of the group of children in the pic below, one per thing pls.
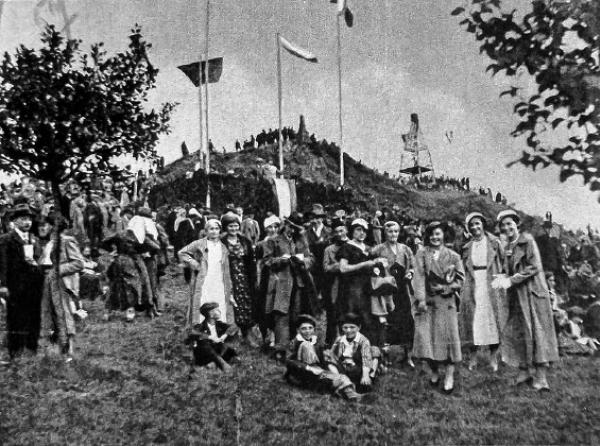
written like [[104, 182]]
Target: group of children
[[348, 369]]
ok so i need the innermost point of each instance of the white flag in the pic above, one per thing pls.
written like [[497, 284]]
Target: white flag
[[297, 51]]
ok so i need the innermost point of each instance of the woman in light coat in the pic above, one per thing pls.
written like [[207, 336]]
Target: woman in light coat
[[438, 279], [483, 309], [529, 338], [208, 257], [60, 287]]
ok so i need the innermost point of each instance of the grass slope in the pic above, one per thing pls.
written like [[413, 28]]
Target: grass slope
[[131, 385]]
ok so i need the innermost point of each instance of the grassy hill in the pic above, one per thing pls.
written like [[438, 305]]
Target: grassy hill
[[130, 385], [315, 167]]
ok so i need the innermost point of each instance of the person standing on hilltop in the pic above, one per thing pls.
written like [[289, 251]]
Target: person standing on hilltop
[[318, 236], [529, 339], [250, 228], [483, 309], [331, 268], [291, 289], [439, 277], [356, 264], [21, 281]]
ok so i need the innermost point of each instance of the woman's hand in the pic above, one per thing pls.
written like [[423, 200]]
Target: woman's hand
[[233, 302], [366, 380], [408, 275]]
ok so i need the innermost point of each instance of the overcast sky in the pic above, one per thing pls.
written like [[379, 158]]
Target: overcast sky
[[401, 56]]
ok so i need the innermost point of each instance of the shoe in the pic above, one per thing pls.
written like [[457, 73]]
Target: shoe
[[494, 364], [129, 315], [448, 391], [472, 363], [351, 395], [523, 378]]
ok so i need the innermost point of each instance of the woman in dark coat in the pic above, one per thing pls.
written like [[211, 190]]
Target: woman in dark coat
[[130, 286], [400, 265], [529, 339], [356, 264], [242, 267], [185, 233]]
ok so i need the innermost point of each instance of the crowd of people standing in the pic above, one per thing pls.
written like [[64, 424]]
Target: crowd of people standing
[[436, 290]]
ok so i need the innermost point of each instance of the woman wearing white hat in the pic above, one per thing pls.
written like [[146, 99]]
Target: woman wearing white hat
[[529, 339], [356, 264], [483, 309]]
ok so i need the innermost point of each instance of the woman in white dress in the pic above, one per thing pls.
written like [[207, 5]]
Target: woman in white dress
[[208, 257], [483, 308]]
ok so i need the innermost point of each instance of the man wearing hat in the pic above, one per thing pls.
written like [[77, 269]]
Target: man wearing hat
[[318, 236], [250, 228], [331, 268], [21, 281]]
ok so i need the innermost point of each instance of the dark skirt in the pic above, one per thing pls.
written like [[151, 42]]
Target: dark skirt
[[401, 325]]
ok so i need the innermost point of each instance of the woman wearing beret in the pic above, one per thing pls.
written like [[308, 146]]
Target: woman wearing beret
[[439, 277], [529, 339], [209, 258], [483, 309], [242, 266]]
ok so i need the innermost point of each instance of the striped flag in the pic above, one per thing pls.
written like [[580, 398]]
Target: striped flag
[[343, 10], [297, 51]]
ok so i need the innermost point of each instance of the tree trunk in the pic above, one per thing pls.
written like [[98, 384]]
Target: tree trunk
[[56, 230]]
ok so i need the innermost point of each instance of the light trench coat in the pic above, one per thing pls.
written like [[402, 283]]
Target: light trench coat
[[436, 330], [56, 318], [529, 337], [195, 255]]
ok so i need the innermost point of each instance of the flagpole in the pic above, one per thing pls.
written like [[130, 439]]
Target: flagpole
[[339, 54], [279, 103], [205, 73]]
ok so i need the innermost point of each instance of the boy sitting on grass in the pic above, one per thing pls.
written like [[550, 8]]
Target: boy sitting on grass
[[208, 339], [353, 355], [304, 363]]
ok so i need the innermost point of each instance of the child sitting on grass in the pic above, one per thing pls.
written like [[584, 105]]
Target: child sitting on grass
[[304, 363], [353, 355], [208, 339]]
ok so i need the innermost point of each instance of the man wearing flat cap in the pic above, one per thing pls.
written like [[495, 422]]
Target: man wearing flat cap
[[21, 281]]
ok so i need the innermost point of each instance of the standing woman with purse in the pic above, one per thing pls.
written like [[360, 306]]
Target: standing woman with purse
[[438, 279], [529, 339]]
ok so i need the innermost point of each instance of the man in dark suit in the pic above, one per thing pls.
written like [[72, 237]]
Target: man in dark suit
[[21, 281]]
